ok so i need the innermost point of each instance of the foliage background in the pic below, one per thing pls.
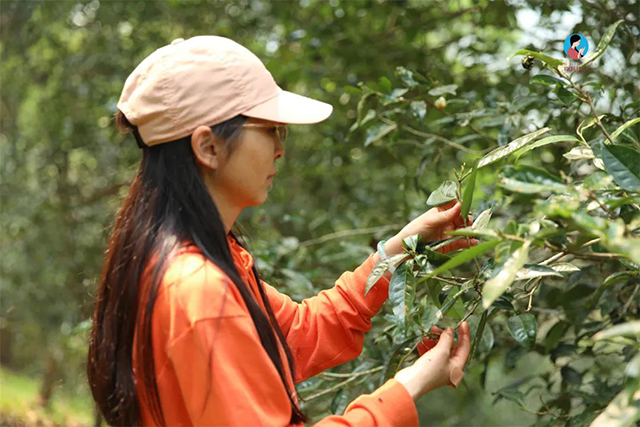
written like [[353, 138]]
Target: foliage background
[[65, 170]]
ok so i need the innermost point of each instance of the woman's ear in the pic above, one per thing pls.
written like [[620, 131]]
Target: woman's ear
[[207, 147]]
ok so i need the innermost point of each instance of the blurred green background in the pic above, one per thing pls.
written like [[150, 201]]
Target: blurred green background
[[65, 170]]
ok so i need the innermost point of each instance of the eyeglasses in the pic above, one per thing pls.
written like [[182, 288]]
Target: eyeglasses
[[281, 130]]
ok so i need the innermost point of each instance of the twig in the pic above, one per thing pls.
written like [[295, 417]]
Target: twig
[[447, 281], [354, 374], [347, 233], [459, 190], [593, 196], [439, 138], [469, 313], [353, 377], [628, 303], [587, 98]]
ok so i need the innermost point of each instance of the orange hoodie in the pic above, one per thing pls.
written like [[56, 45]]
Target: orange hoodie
[[211, 368]]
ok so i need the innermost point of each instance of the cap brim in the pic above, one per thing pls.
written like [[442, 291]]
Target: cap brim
[[288, 107]]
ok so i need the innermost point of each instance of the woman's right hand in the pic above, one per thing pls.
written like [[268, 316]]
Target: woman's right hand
[[439, 365]]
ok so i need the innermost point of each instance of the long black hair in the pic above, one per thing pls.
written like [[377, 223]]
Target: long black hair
[[167, 204]]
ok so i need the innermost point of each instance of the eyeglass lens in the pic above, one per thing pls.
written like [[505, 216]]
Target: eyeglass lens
[[282, 133]]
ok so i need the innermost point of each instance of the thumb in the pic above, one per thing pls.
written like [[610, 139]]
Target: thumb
[[447, 216]]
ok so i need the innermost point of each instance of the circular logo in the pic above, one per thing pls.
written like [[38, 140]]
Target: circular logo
[[576, 46]]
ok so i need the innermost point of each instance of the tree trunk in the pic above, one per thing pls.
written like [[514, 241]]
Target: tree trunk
[[97, 416], [5, 344], [48, 380]]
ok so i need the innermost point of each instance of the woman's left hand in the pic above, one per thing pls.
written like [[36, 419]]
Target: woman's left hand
[[434, 224]]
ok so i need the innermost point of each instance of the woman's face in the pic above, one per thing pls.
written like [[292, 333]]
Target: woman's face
[[240, 179]]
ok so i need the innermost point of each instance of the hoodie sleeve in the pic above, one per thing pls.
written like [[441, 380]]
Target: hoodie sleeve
[[216, 371], [328, 329], [225, 377]]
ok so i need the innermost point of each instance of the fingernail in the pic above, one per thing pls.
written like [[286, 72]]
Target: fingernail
[[456, 376]]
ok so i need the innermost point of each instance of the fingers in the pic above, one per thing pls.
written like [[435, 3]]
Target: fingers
[[446, 340], [426, 345], [461, 353], [457, 244], [447, 205], [455, 376], [448, 215]]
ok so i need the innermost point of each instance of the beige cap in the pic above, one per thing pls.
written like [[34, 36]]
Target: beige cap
[[206, 80]]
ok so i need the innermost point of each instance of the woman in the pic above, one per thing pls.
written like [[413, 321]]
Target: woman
[[184, 330], [575, 41]]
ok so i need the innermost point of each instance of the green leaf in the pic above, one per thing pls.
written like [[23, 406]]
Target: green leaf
[[378, 131], [587, 123], [352, 90], [435, 258], [456, 309], [418, 109], [547, 80], [479, 332], [564, 267], [514, 145], [406, 76], [630, 329], [622, 411], [464, 256], [565, 95], [484, 335], [443, 194], [449, 303], [433, 291], [361, 107], [380, 268], [604, 42], [523, 328], [623, 163], [482, 220], [394, 96], [391, 365], [441, 90], [339, 401], [371, 114], [529, 180], [467, 196], [597, 181], [473, 232], [402, 294], [548, 60], [411, 243], [512, 395], [554, 335], [621, 129], [529, 271], [579, 152], [504, 304], [619, 276], [571, 376], [499, 283], [385, 84], [544, 141]]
